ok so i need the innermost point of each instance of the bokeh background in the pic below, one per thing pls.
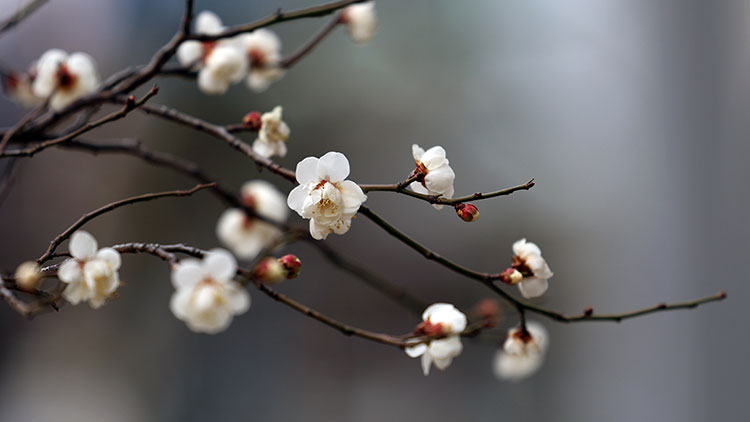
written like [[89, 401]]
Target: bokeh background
[[631, 115]]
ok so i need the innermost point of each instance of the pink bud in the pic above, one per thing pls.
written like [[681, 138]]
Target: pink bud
[[269, 270], [252, 120], [467, 212], [292, 265], [511, 276]]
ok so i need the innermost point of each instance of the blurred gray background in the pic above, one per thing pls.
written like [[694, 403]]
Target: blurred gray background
[[631, 115]]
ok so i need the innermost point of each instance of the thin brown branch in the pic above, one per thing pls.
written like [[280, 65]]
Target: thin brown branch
[[306, 48], [110, 207], [277, 17], [433, 199], [219, 132], [18, 127], [22, 13], [130, 104], [489, 279]]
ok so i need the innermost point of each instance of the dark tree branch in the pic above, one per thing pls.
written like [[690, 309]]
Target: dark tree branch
[[22, 13], [432, 199]]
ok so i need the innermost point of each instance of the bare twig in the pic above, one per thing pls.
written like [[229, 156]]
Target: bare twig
[[129, 105], [22, 13], [277, 17], [290, 61], [432, 199], [488, 280], [109, 207]]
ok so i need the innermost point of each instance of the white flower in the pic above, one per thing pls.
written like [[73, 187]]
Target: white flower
[[64, 77], [263, 48], [244, 235], [220, 63], [435, 176], [17, 86], [360, 21], [439, 319], [324, 196], [531, 270], [206, 296], [91, 275], [273, 135], [523, 352]]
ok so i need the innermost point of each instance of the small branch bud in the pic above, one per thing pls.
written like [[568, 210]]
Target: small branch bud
[[588, 311], [511, 276], [252, 121], [28, 276], [467, 212], [269, 271], [130, 102], [292, 266]]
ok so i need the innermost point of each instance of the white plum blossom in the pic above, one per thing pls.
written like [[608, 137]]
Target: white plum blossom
[[245, 235], [64, 78], [262, 47], [529, 270], [361, 21], [434, 174], [439, 319], [272, 135], [91, 274], [324, 196], [206, 297], [219, 63], [18, 87], [523, 352]]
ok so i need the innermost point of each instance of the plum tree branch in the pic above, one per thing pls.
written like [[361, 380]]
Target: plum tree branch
[[433, 199]]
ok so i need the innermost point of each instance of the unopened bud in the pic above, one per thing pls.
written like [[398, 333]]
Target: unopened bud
[[511, 276], [269, 270], [252, 120], [588, 311], [292, 266], [488, 310], [28, 276], [467, 212]]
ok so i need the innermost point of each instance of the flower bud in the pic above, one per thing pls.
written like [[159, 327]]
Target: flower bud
[[292, 266], [252, 120], [489, 311], [467, 212], [511, 276], [28, 276], [269, 270]]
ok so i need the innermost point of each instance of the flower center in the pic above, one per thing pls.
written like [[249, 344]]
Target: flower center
[[257, 57], [520, 265], [208, 47], [66, 80], [421, 171]]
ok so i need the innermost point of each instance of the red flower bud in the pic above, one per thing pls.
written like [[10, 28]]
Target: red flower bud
[[467, 212], [252, 120], [291, 264], [269, 270]]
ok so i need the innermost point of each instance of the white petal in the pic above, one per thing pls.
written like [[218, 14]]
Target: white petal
[[263, 148], [70, 272], [208, 23], [361, 21], [426, 363], [45, 82], [260, 79], [239, 299], [436, 309], [333, 166], [188, 273], [189, 53], [418, 188], [111, 256], [445, 348], [83, 66], [440, 181], [417, 152], [230, 226], [210, 84], [220, 265], [533, 287], [296, 198], [319, 231], [269, 202], [307, 171], [539, 334], [82, 245], [416, 351], [180, 302], [352, 196], [434, 158], [76, 293]]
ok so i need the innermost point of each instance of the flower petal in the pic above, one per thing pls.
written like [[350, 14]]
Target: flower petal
[[296, 198], [220, 265], [188, 273], [426, 363], [111, 256], [238, 298], [416, 351], [434, 158], [307, 171], [208, 23], [189, 53], [533, 287], [352, 196], [333, 166], [70, 271], [82, 245], [417, 152]]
